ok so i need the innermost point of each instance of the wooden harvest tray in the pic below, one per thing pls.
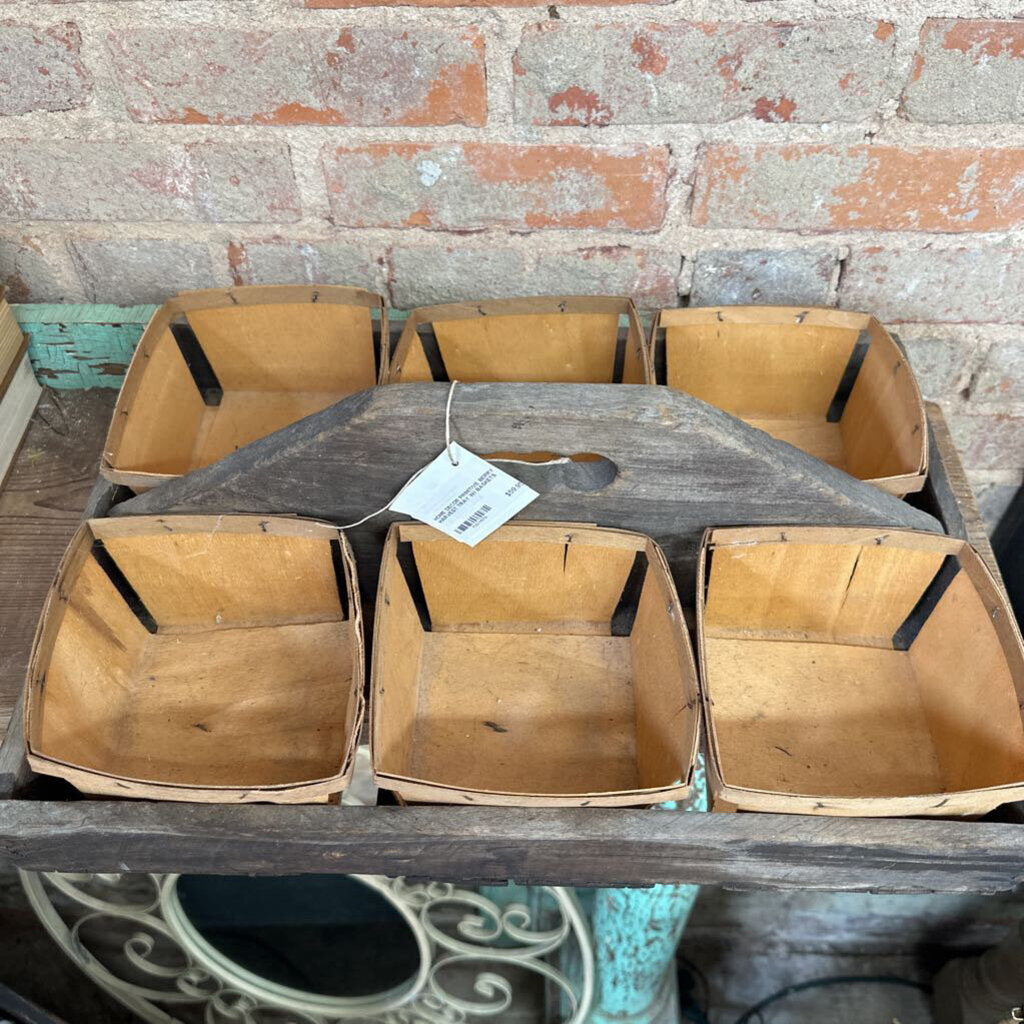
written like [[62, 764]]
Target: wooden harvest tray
[[46, 826]]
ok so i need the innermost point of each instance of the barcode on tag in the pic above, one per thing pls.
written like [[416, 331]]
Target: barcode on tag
[[468, 501], [474, 518]]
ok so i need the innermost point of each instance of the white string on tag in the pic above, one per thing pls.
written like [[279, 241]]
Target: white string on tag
[[452, 457]]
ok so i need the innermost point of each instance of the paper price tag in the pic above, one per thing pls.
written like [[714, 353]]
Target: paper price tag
[[468, 501]]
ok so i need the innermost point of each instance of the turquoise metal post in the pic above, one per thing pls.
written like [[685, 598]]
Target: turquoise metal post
[[635, 933]]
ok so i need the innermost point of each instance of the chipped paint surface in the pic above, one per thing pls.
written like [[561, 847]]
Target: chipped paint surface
[[476, 185], [636, 932], [74, 347], [577, 74], [301, 76]]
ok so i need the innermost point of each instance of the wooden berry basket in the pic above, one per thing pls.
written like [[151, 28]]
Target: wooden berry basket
[[834, 384], [209, 659], [217, 369], [859, 672], [595, 340], [547, 666]]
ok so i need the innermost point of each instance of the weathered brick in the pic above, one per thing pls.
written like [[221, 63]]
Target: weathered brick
[[779, 277], [978, 285], [41, 68], [989, 441], [468, 186], [469, 3], [1000, 380], [881, 188], [411, 75], [572, 74], [136, 271], [27, 272], [649, 276], [232, 181], [423, 275], [967, 72], [942, 362], [276, 261], [426, 275]]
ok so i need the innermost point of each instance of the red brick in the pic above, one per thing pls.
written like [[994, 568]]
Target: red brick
[[880, 188], [567, 73], [470, 186], [228, 181], [967, 72], [41, 68], [346, 76]]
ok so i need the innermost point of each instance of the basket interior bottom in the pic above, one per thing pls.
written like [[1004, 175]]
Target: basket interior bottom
[[526, 713], [244, 416], [816, 436], [820, 719], [251, 706]]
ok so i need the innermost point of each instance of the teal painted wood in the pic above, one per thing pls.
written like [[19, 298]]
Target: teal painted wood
[[635, 934], [86, 346]]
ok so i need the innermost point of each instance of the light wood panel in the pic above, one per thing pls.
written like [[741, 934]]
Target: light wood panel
[[290, 347], [819, 720], [521, 586], [520, 713]]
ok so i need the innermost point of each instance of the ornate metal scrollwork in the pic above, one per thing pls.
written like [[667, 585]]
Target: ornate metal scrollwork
[[132, 936]]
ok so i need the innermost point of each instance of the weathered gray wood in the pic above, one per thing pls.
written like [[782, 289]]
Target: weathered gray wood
[[682, 465], [583, 846], [938, 496], [957, 506], [101, 497], [14, 770]]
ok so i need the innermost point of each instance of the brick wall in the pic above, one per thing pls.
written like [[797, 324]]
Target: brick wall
[[862, 153]]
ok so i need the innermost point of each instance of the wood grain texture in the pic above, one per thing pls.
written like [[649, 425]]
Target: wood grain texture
[[953, 498], [40, 507], [679, 465], [586, 846]]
